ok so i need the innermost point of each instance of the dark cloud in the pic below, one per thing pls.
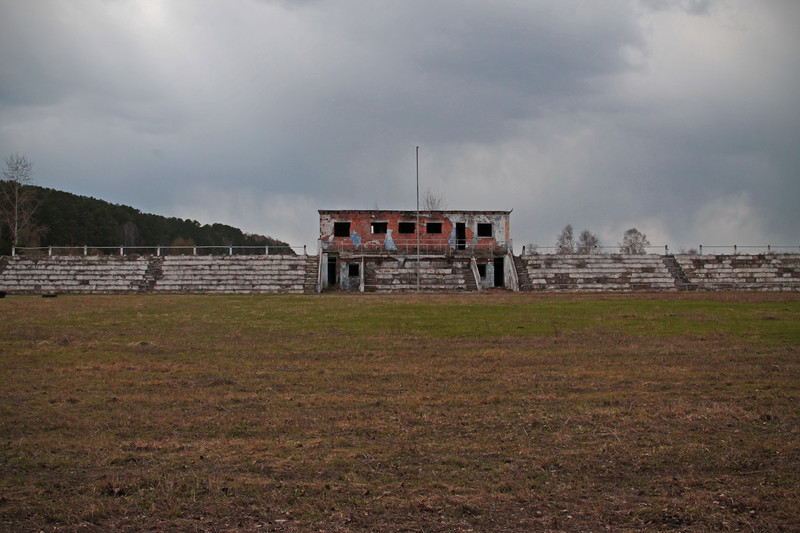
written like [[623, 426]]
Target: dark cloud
[[679, 117]]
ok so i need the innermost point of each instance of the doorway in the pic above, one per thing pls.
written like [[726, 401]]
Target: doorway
[[461, 236], [499, 274], [331, 271]]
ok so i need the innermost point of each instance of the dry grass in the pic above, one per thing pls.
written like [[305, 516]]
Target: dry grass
[[400, 413]]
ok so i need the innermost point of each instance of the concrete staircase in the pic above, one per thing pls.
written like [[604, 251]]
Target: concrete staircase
[[154, 272], [233, 274], [522, 274], [73, 274], [674, 268], [596, 273], [470, 282], [311, 274], [398, 274], [763, 272]]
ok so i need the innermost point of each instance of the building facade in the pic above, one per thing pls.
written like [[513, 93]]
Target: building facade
[[357, 247]]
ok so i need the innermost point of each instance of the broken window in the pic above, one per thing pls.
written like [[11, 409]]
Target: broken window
[[341, 229], [379, 227], [353, 270], [406, 227], [433, 227], [484, 230]]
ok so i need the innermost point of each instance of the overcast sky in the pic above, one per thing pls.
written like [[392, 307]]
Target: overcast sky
[[680, 118]]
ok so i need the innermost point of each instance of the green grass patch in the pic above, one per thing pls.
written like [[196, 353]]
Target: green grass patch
[[383, 413]]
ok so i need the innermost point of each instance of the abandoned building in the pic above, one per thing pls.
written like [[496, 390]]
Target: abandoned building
[[393, 251], [374, 250]]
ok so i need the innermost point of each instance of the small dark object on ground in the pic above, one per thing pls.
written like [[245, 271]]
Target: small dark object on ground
[[2, 294], [49, 295]]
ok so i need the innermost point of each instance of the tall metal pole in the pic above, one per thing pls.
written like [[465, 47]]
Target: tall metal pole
[[417, 226]]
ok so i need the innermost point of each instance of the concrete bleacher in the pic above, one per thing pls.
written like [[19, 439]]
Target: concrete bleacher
[[171, 274], [596, 273], [435, 274], [73, 274], [298, 274], [233, 274], [765, 272]]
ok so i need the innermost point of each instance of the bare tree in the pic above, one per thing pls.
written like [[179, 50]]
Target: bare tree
[[432, 201], [565, 244], [634, 242], [17, 201], [588, 243]]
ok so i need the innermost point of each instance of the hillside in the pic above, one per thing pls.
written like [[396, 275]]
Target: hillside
[[68, 219]]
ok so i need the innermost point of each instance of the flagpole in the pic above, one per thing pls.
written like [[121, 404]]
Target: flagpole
[[417, 219]]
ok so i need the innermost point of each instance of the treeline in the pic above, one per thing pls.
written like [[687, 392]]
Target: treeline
[[634, 242], [65, 219]]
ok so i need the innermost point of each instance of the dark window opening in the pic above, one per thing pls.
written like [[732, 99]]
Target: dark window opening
[[406, 227], [433, 227], [341, 229], [482, 270], [353, 270], [379, 227], [484, 230]]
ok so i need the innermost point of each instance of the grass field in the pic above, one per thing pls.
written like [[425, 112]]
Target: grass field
[[484, 412]]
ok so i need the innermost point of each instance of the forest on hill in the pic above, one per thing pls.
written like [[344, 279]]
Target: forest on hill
[[65, 219]]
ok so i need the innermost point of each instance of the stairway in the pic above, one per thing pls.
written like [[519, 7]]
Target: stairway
[[681, 281], [469, 278], [152, 274], [311, 274], [522, 274]]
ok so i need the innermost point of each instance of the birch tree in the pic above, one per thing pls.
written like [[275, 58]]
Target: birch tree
[[17, 201]]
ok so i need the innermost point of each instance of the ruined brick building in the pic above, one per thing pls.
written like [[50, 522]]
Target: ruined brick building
[[365, 250]]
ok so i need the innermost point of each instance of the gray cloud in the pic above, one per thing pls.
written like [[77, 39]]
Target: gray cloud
[[679, 117]]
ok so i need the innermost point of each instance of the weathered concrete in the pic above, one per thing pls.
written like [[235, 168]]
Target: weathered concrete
[[763, 272], [399, 274], [388, 273], [233, 274], [596, 273], [194, 274], [73, 274]]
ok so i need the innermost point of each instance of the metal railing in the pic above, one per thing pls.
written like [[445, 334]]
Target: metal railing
[[596, 250], [749, 249], [438, 247], [430, 247], [733, 249], [159, 250]]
